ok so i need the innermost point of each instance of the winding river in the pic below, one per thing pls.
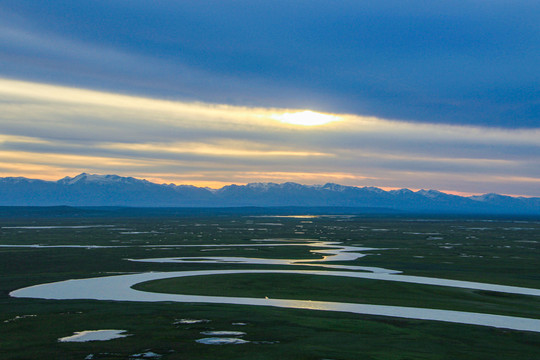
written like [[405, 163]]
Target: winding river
[[119, 287]]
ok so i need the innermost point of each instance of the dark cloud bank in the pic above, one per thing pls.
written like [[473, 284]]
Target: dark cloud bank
[[471, 62]]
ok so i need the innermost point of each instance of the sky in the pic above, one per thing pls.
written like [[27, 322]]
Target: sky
[[419, 94]]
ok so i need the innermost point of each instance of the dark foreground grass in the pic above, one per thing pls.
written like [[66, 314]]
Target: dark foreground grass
[[275, 333], [495, 251]]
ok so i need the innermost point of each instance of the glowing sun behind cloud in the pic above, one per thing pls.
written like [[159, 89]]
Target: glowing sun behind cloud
[[305, 118]]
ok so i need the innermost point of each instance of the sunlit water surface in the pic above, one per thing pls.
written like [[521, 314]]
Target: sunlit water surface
[[94, 335], [119, 287]]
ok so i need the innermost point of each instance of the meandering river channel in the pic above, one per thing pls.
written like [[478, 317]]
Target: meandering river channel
[[119, 287]]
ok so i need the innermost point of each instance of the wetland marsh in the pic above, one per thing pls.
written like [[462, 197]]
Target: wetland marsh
[[240, 256]]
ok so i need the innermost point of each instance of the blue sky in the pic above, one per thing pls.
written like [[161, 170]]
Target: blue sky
[[429, 94]]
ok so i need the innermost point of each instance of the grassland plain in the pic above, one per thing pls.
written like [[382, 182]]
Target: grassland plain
[[500, 251]]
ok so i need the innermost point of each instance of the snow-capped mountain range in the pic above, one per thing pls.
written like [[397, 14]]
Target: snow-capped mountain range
[[113, 190]]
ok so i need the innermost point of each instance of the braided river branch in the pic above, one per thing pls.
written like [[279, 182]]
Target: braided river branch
[[119, 287]]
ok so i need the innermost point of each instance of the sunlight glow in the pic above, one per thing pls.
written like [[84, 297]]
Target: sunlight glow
[[305, 118], [208, 149], [50, 131]]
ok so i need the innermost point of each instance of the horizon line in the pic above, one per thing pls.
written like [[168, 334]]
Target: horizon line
[[224, 184]]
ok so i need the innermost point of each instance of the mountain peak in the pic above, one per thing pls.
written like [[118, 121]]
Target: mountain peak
[[112, 190], [85, 178], [489, 197], [72, 180], [265, 186], [374, 189], [334, 187], [19, 180], [401, 192], [430, 193], [261, 185]]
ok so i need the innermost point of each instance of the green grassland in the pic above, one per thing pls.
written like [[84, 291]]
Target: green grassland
[[366, 291], [501, 251]]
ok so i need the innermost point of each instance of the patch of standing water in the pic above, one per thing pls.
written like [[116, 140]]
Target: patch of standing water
[[37, 246], [221, 341], [19, 317], [134, 232], [145, 355], [223, 333], [190, 321], [57, 227], [94, 335]]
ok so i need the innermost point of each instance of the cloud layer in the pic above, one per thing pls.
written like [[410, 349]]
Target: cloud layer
[[50, 131], [437, 95], [469, 63]]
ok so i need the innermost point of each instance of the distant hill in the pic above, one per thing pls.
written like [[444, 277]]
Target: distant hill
[[87, 190]]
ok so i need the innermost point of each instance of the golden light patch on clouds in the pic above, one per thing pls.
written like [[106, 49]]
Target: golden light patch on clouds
[[71, 160], [435, 134], [459, 193], [106, 112], [381, 155], [306, 118], [518, 179], [208, 149], [67, 130], [300, 177], [33, 171], [22, 139], [42, 97]]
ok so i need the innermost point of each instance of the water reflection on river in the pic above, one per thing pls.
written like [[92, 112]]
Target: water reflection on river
[[119, 287]]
